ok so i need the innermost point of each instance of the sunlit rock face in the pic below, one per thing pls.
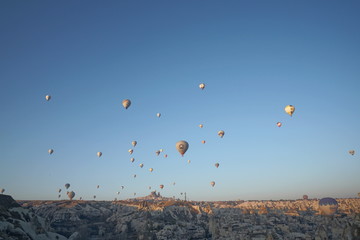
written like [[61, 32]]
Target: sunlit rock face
[[19, 223], [164, 218]]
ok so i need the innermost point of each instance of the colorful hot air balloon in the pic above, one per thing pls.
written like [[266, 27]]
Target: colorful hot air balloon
[[165, 156], [99, 154], [212, 183], [202, 86], [279, 124], [221, 133], [71, 195], [290, 109], [161, 186], [203, 141], [216, 165], [328, 206], [67, 185], [132, 159], [157, 152], [50, 151], [352, 152], [182, 147], [201, 126], [126, 103], [134, 143], [141, 165], [130, 151], [47, 97], [2, 190], [305, 197]]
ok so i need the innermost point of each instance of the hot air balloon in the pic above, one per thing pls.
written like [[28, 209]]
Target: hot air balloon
[[118, 193], [165, 156], [158, 115], [151, 169], [122, 187], [161, 186], [134, 193], [157, 152], [201, 126], [50, 151], [126, 103], [134, 175], [132, 159], [212, 183], [130, 151], [352, 152], [221, 133], [181, 193], [202, 86], [47, 97], [278, 124], [134, 143], [97, 186], [305, 197], [59, 190], [161, 150], [59, 195], [216, 165], [174, 183], [2, 190], [94, 196], [67, 185], [149, 187], [80, 198], [203, 141], [290, 109], [328, 206], [71, 195], [99, 154], [189, 161], [141, 165], [182, 147]]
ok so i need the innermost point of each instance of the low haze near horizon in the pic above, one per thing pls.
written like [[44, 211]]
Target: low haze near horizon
[[255, 57]]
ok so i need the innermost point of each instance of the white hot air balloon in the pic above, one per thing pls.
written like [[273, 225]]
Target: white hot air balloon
[[126, 103], [99, 154], [132, 159], [158, 115], [182, 147], [157, 152], [47, 97], [141, 165], [134, 143], [202, 86], [130, 151]]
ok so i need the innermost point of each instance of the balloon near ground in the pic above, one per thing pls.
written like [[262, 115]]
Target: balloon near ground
[[182, 147], [328, 206], [305, 197], [290, 109], [126, 103], [71, 195]]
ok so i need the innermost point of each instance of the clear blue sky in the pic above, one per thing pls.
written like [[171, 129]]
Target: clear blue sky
[[255, 57]]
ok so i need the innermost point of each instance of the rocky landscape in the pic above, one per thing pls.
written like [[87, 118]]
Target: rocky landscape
[[154, 217]]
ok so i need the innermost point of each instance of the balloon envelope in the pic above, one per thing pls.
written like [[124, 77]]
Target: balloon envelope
[[99, 154], [216, 165], [47, 97], [201, 126], [305, 197], [290, 109], [141, 165], [50, 151], [130, 151], [161, 186], [352, 152], [279, 124], [2, 190], [134, 143], [71, 195], [126, 103], [202, 86], [328, 206], [158, 114], [182, 147], [221, 133], [67, 185], [212, 183]]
